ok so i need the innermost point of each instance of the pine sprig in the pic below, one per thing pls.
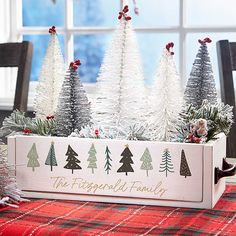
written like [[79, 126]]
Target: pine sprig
[[18, 122], [219, 118]]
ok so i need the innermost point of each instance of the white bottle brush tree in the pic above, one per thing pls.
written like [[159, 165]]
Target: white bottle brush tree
[[50, 79], [201, 83], [73, 110], [120, 100], [166, 98]]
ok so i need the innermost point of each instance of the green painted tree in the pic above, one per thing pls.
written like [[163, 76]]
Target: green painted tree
[[33, 157], [108, 160], [72, 160], [184, 168], [51, 158], [146, 159], [126, 160], [166, 164], [92, 158]]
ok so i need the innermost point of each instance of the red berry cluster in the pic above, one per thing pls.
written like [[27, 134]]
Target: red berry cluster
[[52, 30], [50, 117], [204, 41], [169, 46], [193, 139], [123, 13], [74, 65], [27, 131], [96, 133]]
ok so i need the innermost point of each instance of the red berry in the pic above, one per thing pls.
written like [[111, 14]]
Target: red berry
[[77, 62], [75, 67], [96, 132], [125, 10], [71, 64], [126, 6], [200, 41], [172, 53], [127, 18], [172, 44], [119, 17]]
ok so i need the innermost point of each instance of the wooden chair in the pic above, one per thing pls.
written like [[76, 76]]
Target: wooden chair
[[226, 52], [18, 55]]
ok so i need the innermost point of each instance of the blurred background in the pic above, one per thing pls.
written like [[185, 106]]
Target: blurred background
[[85, 28]]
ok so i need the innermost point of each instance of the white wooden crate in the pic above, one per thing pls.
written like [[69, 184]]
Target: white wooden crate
[[156, 183]]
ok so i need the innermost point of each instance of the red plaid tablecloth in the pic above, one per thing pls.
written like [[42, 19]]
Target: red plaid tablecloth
[[57, 217]]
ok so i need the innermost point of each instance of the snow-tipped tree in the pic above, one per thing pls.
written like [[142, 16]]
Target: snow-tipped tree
[[201, 83], [166, 98], [50, 79], [120, 99], [73, 110]]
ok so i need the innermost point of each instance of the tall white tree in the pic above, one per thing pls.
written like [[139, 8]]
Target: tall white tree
[[50, 79], [166, 98], [120, 96]]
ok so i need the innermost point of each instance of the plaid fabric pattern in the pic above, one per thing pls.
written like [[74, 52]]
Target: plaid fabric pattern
[[57, 217]]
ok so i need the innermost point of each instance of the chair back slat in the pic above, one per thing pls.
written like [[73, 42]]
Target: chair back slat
[[18, 55], [226, 53]]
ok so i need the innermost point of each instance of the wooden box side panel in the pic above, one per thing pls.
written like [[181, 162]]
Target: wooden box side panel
[[180, 184], [219, 152]]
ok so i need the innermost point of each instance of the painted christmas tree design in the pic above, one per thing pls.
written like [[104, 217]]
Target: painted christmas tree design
[[33, 157], [146, 159], [51, 158], [126, 160], [184, 168], [92, 158], [166, 164], [108, 160], [72, 160]]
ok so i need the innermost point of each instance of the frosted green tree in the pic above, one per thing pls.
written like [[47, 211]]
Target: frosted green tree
[[108, 160], [201, 83], [33, 157], [146, 159], [51, 158], [166, 163], [73, 111], [92, 158]]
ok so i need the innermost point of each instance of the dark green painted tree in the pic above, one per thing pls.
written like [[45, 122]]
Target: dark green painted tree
[[51, 158], [184, 168], [72, 161], [126, 160], [108, 160], [166, 163]]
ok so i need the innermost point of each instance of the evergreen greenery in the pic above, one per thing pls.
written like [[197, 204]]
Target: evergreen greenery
[[219, 119], [18, 122]]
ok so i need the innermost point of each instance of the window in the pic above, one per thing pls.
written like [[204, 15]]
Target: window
[[85, 28]]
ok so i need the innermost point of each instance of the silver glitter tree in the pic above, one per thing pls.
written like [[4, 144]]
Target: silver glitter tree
[[201, 83], [73, 110]]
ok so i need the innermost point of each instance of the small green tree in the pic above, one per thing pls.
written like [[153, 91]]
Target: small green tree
[[127, 161], [51, 158], [92, 158], [166, 164], [108, 160], [146, 159], [184, 168], [33, 157], [72, 160]]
